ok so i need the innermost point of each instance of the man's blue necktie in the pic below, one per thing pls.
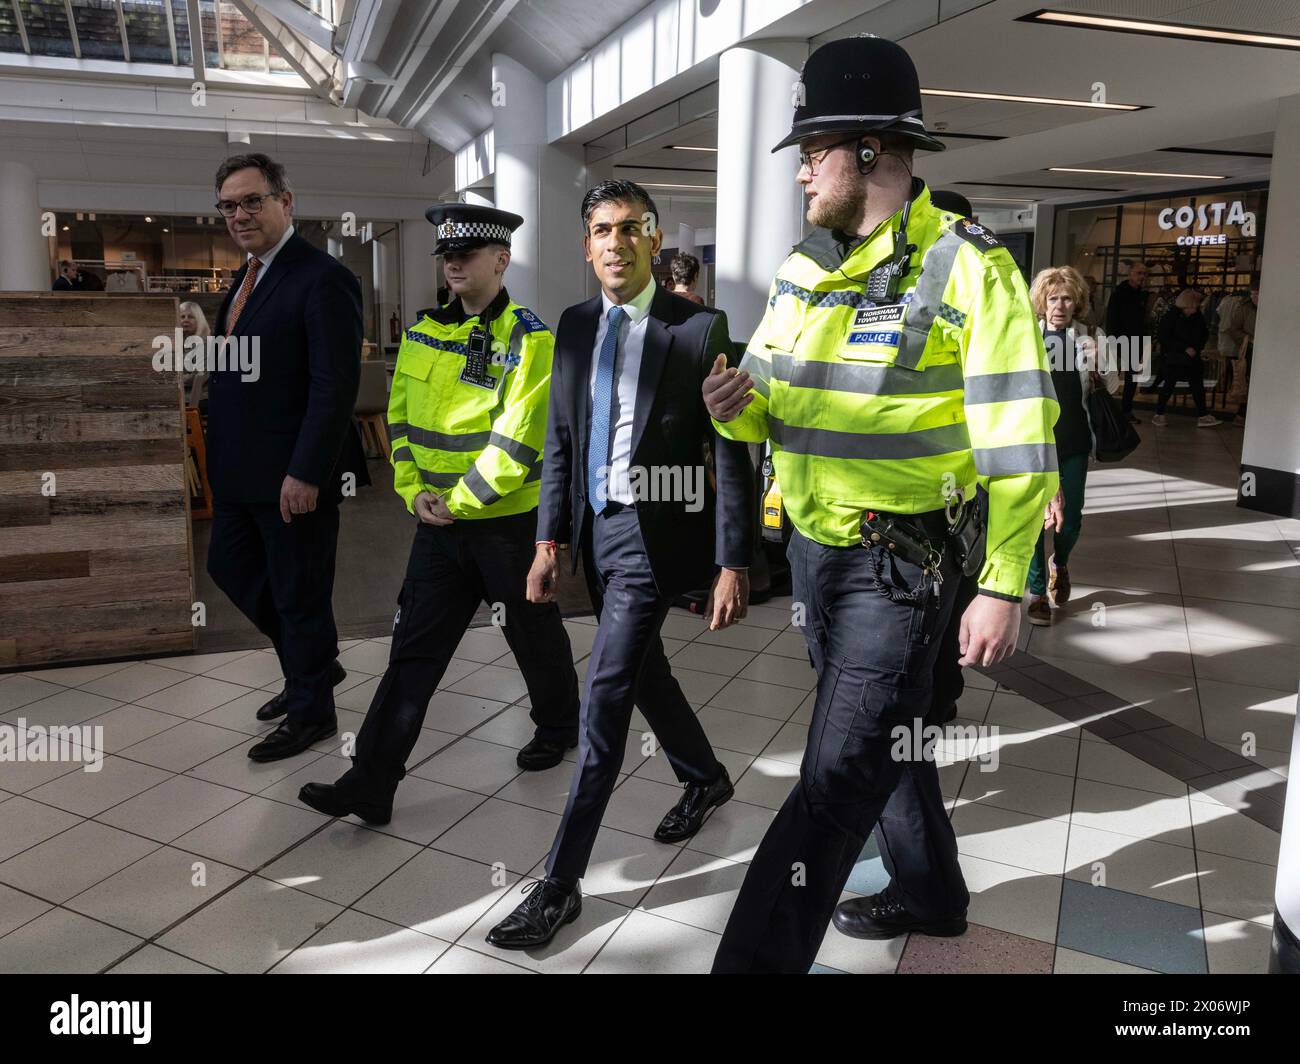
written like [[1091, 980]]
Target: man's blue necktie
[[602, 398]]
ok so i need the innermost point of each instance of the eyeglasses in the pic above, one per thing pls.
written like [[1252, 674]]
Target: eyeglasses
[[814, 159], [251, 204]]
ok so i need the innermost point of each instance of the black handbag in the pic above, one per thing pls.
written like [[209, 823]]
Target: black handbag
[[1114, 437]]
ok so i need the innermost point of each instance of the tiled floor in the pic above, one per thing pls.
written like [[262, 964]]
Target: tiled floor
[[182, 855]]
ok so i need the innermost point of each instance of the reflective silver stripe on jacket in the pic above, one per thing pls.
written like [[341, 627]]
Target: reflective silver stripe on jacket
[[864, 378], [829, 443], [927, 299], [1004, 387], [1016, 458]]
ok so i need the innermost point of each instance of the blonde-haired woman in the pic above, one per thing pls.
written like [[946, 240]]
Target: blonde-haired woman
[[1182, 334], [194, 322], [1060, 296]]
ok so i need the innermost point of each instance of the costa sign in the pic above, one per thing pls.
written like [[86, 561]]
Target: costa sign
[[1205, 215]]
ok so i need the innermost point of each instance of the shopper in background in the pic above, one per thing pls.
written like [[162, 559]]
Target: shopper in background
[[68, 280], [1126, 315], [1182, 335], [685, 270], [1060, 298], [194, 322], [1237, 339]]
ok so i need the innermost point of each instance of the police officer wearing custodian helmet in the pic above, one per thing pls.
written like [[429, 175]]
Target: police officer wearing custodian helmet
[[901, 378], [467, 418]]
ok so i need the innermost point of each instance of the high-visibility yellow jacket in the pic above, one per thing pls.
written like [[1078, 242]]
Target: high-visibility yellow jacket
[[889, 406], [477, 446]]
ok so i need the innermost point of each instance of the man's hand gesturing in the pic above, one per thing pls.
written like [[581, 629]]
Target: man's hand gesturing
[[727, 391]]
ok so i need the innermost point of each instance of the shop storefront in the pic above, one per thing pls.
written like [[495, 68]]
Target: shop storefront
[[1211, 240]]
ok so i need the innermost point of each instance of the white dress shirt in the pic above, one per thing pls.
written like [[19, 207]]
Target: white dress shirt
[[627, 370], [265, 260]]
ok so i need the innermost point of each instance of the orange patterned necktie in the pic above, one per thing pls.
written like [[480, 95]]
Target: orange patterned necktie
[[245, 289]]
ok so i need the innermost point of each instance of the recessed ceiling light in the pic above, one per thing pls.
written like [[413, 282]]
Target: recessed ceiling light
[[1051, 100], [1184, 31], [689, 147], [1131, 173], [65, 228], [166, 230], [665, 184], [147, 218]]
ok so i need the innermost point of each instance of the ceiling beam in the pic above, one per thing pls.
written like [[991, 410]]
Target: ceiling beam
[[171, 31], [296, 52], [121, 29], [72, 29], [221, 37], [195, 21], [362, 36], [22, 27], [304, 23], [435, 18], [484, 25]]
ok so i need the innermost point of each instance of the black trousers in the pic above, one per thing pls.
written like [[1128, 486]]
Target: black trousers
[[1191, 370], [876, 685], [1130, 391], [281, 576], [451, 570], [627, 666]]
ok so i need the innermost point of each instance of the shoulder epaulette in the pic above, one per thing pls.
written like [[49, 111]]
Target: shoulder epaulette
[[530, 321], [983, 239]]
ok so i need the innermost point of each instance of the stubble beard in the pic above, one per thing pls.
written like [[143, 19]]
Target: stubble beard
[[840, 207]]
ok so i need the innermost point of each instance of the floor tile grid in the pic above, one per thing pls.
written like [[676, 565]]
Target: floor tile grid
[[1178, 569], [242, 738], [791, 716], [468, 939], [1197, 856]]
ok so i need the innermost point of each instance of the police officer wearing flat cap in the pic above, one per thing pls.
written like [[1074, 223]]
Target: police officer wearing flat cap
[[467, 419], [901, 378]]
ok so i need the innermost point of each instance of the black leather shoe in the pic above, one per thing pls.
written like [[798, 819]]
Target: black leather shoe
[[337, 799], [884, 916], [543, 753], [538, 917], [292, 737], [276, 706], [687, 817]]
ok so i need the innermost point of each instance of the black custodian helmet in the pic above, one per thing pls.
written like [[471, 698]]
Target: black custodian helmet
[[862, 84]]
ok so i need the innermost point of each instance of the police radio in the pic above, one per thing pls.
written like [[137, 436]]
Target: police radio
[[883, 282], [477, 350]]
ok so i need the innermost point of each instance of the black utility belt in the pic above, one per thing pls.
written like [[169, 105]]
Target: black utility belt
[[923, 538]]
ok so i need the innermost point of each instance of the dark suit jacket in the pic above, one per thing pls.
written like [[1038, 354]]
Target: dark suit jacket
[[670, 427], [296, 418]]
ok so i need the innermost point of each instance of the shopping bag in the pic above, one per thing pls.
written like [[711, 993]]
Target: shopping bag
[[1113, 434]]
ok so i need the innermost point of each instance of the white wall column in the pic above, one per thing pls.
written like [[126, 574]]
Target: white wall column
[[25, 264], [542, 182], [1270, 454], [478, 197], [760, 207], [1044, 237], [686, 239], [419, 280]]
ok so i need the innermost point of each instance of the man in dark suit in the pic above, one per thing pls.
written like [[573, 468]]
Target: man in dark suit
[[68, 280], [283, 447], [623, 478]]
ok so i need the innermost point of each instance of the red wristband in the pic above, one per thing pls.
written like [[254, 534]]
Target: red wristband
[[547, 543]]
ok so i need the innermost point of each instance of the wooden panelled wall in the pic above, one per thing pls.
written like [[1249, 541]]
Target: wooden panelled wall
[[95, 557]]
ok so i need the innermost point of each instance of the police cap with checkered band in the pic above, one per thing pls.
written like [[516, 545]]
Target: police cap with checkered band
[[466, 226], [862, 84]]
